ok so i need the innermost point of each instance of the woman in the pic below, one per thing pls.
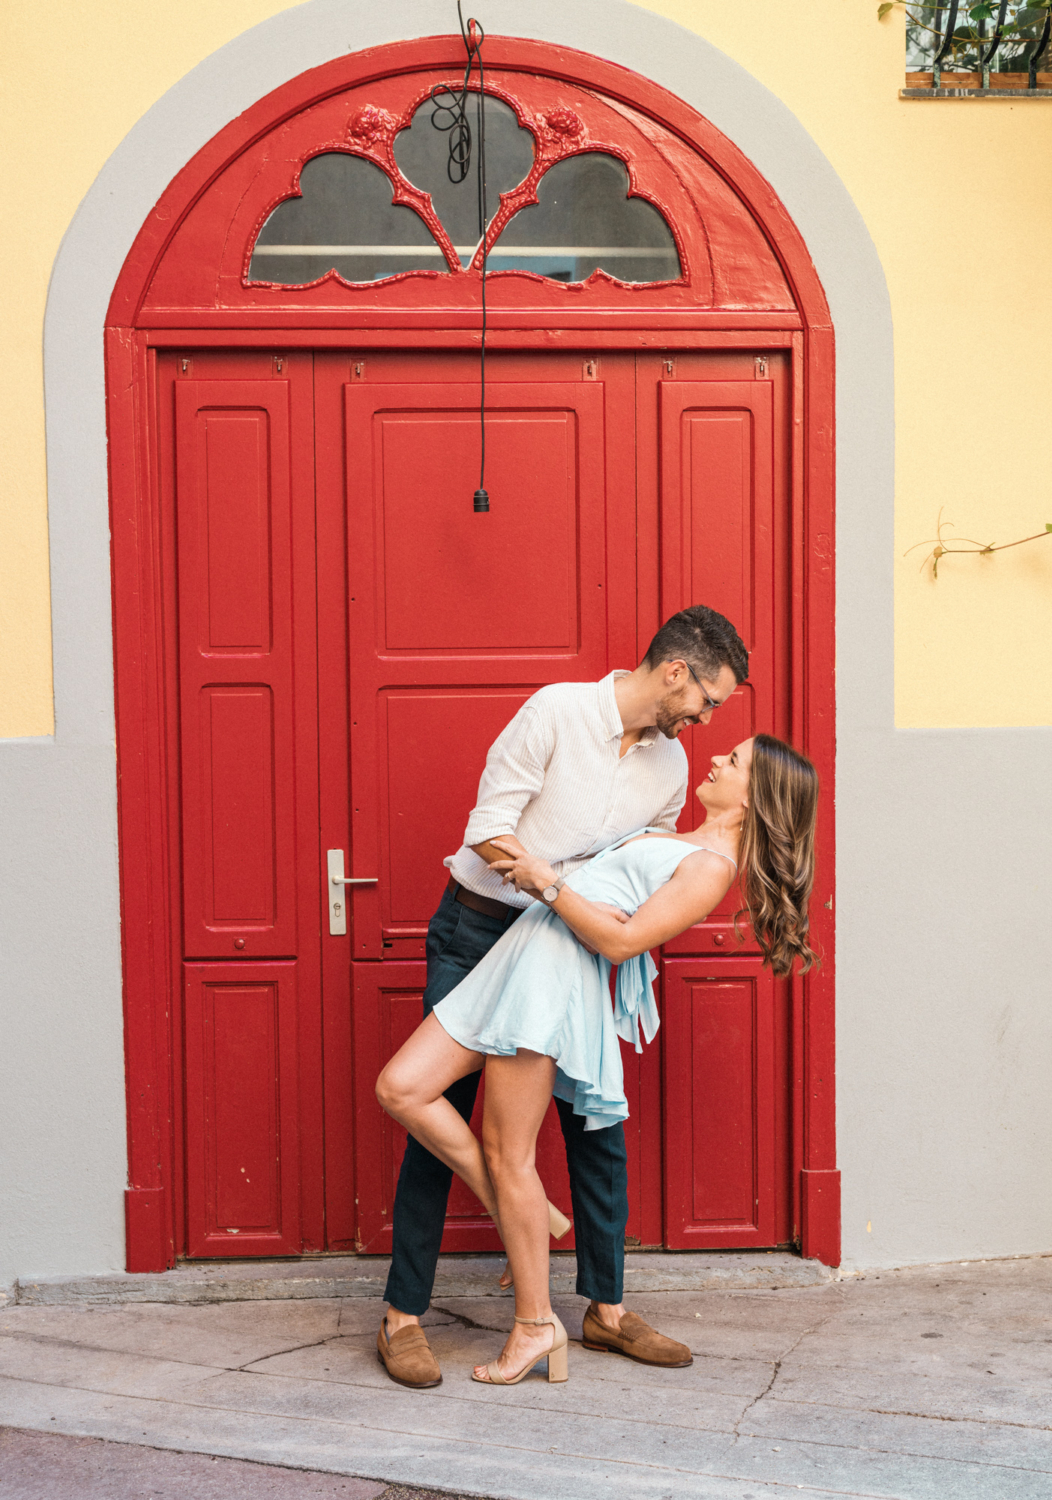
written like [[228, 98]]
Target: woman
[[536, 1011]]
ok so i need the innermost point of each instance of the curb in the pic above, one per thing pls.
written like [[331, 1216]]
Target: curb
[[365, 1276]]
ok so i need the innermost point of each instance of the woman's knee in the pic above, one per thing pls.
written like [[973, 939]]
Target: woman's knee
[[392, 1090], [507, 1160]]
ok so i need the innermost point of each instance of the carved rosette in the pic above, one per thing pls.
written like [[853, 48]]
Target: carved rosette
[[564, 125], [371, 127]]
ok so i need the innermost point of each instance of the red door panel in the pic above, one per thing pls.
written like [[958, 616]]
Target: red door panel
[[233, 492], [433, 747], [723, 538], [440, 656], [242, 1109], [454, 619], [720, 1105], [440, 560], [237, 488]]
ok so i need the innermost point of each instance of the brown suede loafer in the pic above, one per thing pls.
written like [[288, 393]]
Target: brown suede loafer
[[636, 1339], [407, 1357]]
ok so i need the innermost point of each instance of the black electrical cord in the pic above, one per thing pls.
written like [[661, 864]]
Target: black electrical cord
[[481, 498], [452, 106]]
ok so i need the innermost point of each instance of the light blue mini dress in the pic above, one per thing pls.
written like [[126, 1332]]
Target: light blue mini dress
[[539, 988]]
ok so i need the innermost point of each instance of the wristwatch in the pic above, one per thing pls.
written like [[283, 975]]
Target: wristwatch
[[551, 891]]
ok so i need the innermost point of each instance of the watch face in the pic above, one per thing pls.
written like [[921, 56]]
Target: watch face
[[550, 892]]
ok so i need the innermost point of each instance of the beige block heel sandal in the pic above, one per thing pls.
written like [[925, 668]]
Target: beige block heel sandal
[[558, 1224], [558, 1363]]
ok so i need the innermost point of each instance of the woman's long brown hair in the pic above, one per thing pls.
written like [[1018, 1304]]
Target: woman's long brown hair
[[778, 852]]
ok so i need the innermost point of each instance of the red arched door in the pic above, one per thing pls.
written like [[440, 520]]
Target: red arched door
[[318, 638]]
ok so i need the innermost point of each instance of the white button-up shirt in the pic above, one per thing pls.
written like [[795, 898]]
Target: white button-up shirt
[[556, 779]]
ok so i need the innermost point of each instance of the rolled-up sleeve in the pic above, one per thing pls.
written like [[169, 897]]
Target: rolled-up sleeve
[[514, 774]]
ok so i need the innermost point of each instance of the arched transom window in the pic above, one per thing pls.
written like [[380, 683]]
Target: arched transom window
[[347, 205], [384, 205]]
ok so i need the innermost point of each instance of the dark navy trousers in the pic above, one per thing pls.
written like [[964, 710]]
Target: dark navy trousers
[[457, 938]]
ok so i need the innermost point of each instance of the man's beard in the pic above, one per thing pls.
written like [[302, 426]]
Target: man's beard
[[670, 713]]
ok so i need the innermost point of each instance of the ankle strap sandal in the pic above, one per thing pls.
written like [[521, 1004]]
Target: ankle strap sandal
[[558, 1367]]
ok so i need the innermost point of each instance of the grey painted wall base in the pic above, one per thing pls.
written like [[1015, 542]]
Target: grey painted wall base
[[458, 1276], [944, 1008], [946, 1115], [62, 1114]]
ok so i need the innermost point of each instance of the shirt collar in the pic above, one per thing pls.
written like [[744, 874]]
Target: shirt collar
[[608, 711]]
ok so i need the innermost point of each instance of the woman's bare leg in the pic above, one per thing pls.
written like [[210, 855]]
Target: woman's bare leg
[[518, 1091], [411, 1088]]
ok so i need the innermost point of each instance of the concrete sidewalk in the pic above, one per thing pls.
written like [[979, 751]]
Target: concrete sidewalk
[[49, 1466], [926, 1384]]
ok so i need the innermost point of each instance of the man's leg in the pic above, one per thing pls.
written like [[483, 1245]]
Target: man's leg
[[598, 1162], [457, 939], [420, 1217]]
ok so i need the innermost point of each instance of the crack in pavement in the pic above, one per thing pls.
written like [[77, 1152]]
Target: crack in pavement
[[466, 1322], [51, 1342], [919, 1416], [776, 1371], [246, 1368]]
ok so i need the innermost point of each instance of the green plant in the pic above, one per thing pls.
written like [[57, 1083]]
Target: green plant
[[965, 544], [925, 28]]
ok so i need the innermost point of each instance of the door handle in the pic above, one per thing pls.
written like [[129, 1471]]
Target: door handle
[[336, 880]]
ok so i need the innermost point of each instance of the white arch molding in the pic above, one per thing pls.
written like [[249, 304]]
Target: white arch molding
[[62, 791]]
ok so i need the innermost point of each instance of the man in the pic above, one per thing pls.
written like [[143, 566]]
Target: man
[[579, 766]]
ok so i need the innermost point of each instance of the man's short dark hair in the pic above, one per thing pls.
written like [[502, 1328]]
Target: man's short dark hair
[[704, 639]]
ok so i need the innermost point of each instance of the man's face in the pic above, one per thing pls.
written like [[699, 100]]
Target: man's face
[[688, 701]]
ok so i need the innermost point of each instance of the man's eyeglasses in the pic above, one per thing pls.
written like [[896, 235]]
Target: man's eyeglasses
[[710, 703]]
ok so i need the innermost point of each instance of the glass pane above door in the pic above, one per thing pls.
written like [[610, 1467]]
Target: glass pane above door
[[585, 221], [344, 221], [422, 154]]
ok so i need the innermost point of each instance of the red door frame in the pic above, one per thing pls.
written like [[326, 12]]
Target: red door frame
[[135, 332]]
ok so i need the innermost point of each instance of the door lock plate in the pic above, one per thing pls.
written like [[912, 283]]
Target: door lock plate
[[336, 883], [337, 894]]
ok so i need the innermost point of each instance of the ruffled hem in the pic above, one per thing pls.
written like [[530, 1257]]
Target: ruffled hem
[[497, 1010], [599, 1110]]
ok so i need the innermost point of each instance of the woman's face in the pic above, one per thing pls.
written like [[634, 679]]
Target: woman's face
[[727, 784]]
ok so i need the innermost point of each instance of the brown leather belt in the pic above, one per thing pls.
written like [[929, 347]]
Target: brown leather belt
[[485, 904]]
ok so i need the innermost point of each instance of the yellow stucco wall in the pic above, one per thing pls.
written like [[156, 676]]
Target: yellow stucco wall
[[76, 75], [954, 195]]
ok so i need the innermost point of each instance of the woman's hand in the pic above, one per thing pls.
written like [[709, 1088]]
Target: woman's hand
[[525, 871]]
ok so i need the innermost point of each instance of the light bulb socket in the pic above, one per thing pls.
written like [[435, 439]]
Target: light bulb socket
[[481, 501]]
